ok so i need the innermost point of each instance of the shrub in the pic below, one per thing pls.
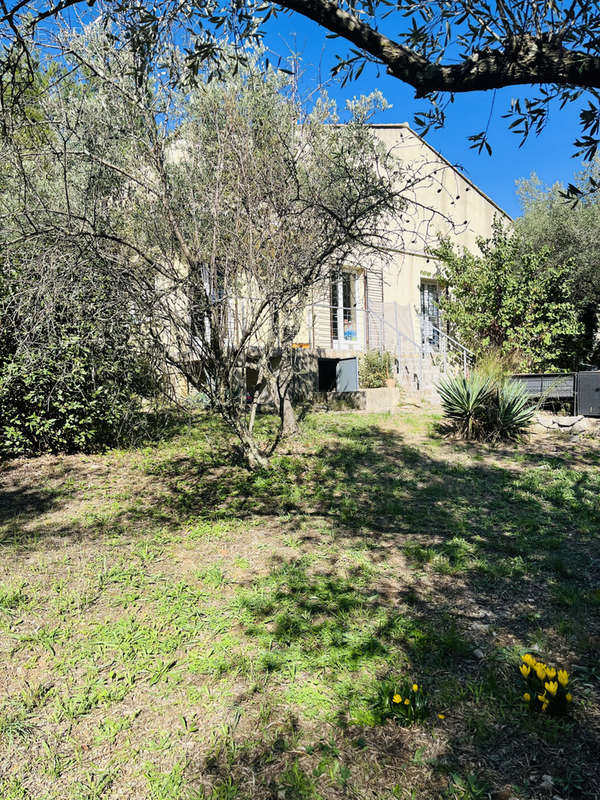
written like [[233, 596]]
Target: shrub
[[482, 407], [69, 397], [72, 370], [547, 688], [374, 369]]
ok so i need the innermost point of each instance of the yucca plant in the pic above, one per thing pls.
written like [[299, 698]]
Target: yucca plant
[[480, 407], [466, 401], [514, 412]]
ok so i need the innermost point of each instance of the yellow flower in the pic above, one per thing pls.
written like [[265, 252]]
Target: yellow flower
[[540, 671], [525, 670], [527, 697], [568, 697], [442, 716], [550, 672], [396, 699], [545, 706], [415, 688], [529, 659], [563, 677], [551, 687], [542, 698], [407, 702]]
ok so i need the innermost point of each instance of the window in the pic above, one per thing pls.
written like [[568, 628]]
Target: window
[[344, 322], [430, 315]]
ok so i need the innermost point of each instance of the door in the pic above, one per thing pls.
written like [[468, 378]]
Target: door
[[344, 311], [430, 315], [588, 394], [346, 375]]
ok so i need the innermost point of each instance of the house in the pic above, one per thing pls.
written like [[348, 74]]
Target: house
[[392, 304]]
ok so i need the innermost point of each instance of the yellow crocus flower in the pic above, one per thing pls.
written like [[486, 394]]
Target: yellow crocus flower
[[551, 687], [415, 688], [568, 697], [529, 659], [442, 716], [540, 671], [396, 699], [525, 670], [527, 697], [550, 672], [545, 706], [407, 702], [563, 677], [542, 698]]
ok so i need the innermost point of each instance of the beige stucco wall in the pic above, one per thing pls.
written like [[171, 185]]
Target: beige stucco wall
[[440, 201]]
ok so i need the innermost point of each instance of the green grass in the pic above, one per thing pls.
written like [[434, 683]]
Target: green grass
[[173, 627]]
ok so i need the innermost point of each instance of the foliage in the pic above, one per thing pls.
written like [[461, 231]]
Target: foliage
[[374, 369], [510, 300], [453, 46], [547, 687], [480, 407], [70, 376], [217, 262], [571, 233]]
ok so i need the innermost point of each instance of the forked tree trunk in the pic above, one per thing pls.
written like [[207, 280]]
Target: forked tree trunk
[[251, 452]]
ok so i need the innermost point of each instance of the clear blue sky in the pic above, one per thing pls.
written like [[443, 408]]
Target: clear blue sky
[[549, 155]]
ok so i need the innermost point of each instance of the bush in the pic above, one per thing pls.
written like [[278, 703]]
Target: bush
[[70, 397], [72, 377], [485, 408], [374, 369]]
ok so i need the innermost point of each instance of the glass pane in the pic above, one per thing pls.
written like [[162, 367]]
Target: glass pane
[[349, 306], [334, 309]]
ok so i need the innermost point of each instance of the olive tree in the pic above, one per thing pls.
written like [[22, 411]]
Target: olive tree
[[220, 209]]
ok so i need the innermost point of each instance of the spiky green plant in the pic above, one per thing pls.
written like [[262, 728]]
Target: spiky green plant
[[480, 407], [465, 402], [514, 412]]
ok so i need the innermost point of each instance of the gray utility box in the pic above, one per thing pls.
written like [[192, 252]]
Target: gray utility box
[[338, 375], [588, 393]]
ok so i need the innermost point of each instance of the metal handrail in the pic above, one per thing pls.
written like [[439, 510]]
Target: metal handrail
[[449, 338]]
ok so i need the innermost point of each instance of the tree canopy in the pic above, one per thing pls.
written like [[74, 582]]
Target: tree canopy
[[439, 48], [571, 234], [219, 210], [510, 300]]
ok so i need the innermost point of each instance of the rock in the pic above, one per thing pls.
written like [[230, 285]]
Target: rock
[[479, 627], [546, 784], [478, 654], [568, 422]]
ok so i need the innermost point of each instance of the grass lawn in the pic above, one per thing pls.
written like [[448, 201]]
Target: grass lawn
[[174, 627]]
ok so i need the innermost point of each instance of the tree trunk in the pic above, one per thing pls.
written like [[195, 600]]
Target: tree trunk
[[252, 455], [287, 416]]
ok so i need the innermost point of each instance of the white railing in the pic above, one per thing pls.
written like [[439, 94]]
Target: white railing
[[383, 331], [438, 343]]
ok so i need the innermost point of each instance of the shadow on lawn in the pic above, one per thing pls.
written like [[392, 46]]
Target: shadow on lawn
[[512, 549]]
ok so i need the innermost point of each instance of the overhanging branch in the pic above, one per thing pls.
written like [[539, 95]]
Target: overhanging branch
[[524, 60]]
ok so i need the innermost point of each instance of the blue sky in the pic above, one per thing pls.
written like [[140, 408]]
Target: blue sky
[[548, 155]]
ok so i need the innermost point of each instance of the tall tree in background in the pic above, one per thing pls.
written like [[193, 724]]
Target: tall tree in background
[[511, 301], [571, 234]]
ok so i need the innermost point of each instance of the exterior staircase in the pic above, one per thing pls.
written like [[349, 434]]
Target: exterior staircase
[[419, 365]]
